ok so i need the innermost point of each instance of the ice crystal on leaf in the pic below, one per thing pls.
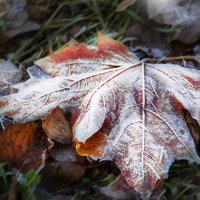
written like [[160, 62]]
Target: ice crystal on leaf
[[124, 110]]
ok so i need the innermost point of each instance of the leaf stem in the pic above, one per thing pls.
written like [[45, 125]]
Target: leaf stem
[[143, 115]]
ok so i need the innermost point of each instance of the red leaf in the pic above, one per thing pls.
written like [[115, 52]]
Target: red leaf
[[75, 50], [78, 58]]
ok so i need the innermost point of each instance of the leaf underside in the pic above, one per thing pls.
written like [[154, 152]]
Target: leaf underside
[[133, 109]]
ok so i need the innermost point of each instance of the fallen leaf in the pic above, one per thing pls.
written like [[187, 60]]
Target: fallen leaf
[[135, 108], [92, 146], [40, 98], [2, 103], [16, 18], [177, 13], [36, 73], [144, 105], [124, 5], [57, 127], [6, 89], [24, 146]]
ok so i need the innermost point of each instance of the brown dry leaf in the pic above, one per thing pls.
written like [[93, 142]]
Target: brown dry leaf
[[124, 4], [124, 110], [2, 103], [24, 146], [57, 127]]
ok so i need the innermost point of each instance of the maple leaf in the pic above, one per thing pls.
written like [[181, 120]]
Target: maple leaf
[[127, 111], [36, 100]]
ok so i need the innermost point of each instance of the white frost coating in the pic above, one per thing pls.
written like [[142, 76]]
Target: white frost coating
[[83, 65], [37, 99], [102, 101], [145, 135], [94, 123], [144, 160]]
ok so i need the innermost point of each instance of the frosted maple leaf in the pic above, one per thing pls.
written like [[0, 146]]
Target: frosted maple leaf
[[124, 109]]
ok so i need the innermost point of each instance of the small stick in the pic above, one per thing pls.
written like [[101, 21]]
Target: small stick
[[194, 58]]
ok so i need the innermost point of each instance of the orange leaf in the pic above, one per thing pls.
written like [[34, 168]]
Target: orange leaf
[[57, 127], [24, 146], [93, 146], [108, 44]]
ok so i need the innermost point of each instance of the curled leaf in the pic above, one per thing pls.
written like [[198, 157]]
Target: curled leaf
[[93, 146], [57, 127]]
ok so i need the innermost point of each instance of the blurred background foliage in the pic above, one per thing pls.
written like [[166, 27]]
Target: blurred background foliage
[[62, 20]]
